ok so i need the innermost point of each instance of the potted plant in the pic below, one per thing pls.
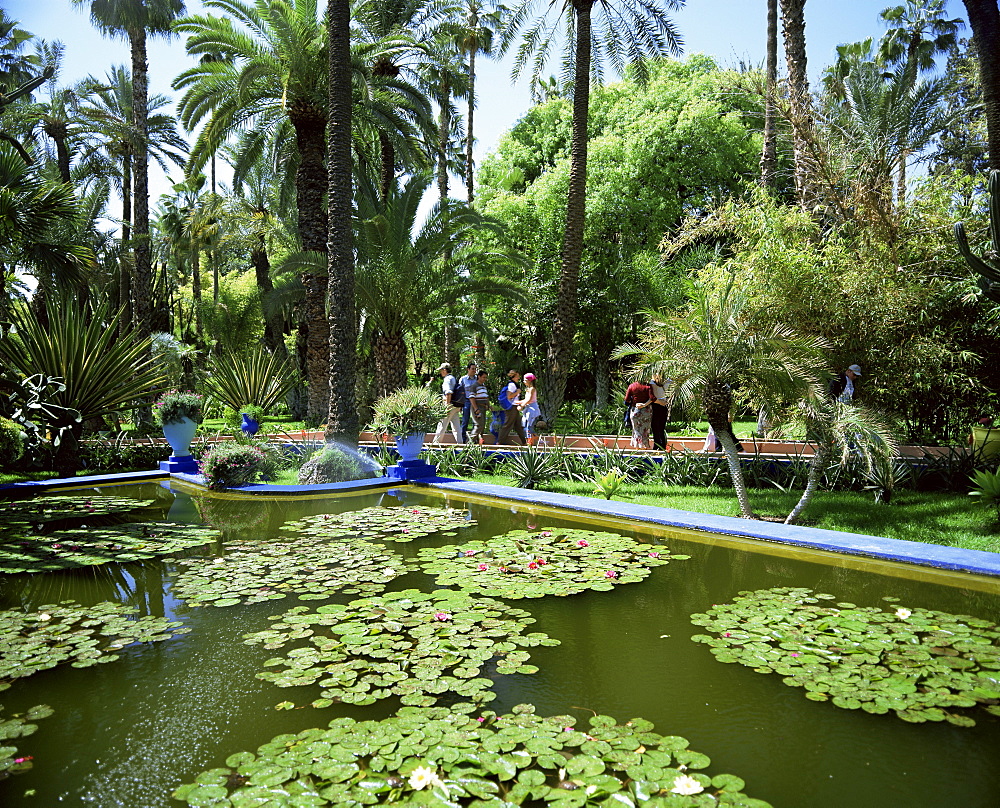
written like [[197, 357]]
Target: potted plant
[[407, 415], [250, 417], [179, 413]]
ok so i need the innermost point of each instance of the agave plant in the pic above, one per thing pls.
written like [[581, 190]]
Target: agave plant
[[531, 467], [102, 374], [258, 378]]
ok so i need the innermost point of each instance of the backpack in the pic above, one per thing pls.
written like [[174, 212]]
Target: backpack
[[458, 394], [502, 399]]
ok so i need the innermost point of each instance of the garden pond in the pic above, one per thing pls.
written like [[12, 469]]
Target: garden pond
[[226, 621]]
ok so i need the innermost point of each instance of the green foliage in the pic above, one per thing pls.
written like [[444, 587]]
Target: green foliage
[[43, 424], [258, 378], [921, 664], [230, 465], [176, 405], [430, 756], [387, 524], [987, 270], [530, 467], [608, 485], [333, 465], [11, 443], [987, 489], [410, 411], [104, 370]]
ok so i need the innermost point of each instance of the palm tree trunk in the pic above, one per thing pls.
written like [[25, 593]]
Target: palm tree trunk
[[196, 293], [722, 434], [310, 191], [560, 350], [342, 336], [387, 171], [125, 268], [143, 283], [768, 155], [390, 362], [602, 372], [794, 26], [444, 137], [469, 139], [816, 466], [984, 19], [273, 332]]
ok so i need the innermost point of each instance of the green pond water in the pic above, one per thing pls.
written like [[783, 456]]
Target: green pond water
[[129, 732]]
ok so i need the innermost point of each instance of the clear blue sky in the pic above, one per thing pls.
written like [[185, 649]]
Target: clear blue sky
[[729, 30]]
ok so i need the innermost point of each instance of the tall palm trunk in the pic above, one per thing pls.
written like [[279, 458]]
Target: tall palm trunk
[[310, 192], [390, 362], [143, 274], [273, 332], [125, 284], [560, 350], [768, 155], [59, 133], [718, 400], [196, 292], [794, 26], [984, 19], [342, 415], [816, 466], [469, 139]]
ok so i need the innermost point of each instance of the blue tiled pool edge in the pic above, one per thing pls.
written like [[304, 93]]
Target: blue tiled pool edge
[[929, 555]]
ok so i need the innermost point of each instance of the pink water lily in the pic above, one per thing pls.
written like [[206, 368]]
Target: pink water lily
[[470, 552], [442, 617], [532, 565], [24, 759], [795, 655], [654, 555], [541, 561], [482, 567], [727, 634], [583, 543], [611, 574], [546, 533]]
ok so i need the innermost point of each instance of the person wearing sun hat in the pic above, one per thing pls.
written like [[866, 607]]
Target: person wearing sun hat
[[845, 386]]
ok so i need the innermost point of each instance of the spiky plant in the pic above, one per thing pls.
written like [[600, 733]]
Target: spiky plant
[[258, 378]]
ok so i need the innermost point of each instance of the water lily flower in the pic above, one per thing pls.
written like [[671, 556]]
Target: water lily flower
[[424, 776], [654, 555], [611, 574], [470, 552], [24, 759], [442, 617], [480, 719], [727, 634], [504, 569], [902, 613], [532, 565], [686, 784], [583, 543], [415, 510], [541, 562], [44, 616], [795, 655], [546, 533], [482, 567]]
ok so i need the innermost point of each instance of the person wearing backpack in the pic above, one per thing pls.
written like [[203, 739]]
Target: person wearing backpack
[[512, 413], [454, 396], [468, 384]]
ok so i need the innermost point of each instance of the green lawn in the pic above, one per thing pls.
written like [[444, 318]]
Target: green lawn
[[950, 519]]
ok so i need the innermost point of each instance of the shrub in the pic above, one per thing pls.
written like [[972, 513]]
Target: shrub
[[229, 465], [176, 406], [408, 411], [11, 443], [331, 465]]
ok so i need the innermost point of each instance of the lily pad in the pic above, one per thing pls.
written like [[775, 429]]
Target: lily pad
[[554, 561], [431, 756], [400, 524], [921, 664], [19, 725], [70, 633], [81, 547], [408, 644], [253, 571], [55, 508]]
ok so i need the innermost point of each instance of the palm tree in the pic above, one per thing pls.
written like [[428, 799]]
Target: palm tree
[[626, 33], [854, 433], [794, 28], [768, 154], [135, 20], [404, 278], [342, 415], [36, 222], [106, 113], [719, 344], [984, 19]]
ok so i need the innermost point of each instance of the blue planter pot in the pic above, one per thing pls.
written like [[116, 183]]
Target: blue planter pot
[[409, 446], [249, 425], [179, 435]]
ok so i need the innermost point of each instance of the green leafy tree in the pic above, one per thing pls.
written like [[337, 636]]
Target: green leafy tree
[[626, 34]]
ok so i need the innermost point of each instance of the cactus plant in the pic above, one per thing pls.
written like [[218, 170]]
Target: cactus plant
[[988, 267]]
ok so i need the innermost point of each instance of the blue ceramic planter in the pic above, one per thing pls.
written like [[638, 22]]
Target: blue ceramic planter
[[249, 425]]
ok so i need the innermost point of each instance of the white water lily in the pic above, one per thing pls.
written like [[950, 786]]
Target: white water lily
[[424, 776], [44, 616], [902, 613], [685, 784]]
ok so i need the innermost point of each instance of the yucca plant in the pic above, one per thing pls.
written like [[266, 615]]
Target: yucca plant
[[531, 467], [986, 488], [102, 374], [258, 378], [608, 485]]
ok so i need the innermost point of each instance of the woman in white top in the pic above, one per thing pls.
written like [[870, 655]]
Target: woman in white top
[[529, 407]]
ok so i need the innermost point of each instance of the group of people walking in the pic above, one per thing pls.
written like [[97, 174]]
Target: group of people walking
[[468, 400]]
